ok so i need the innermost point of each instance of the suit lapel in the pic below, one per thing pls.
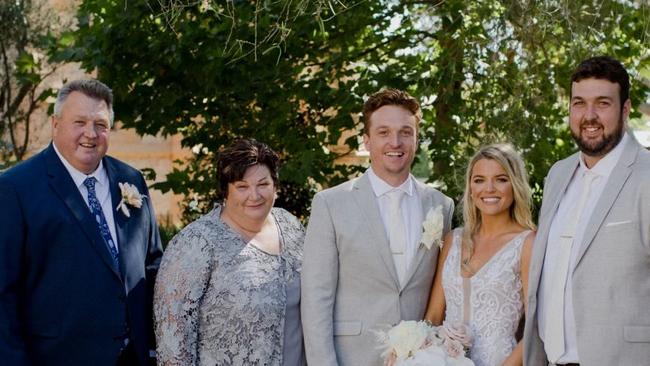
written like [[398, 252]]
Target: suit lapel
[[121, 222], [617, 179], [63, 185], [367, 201], [554, 194], [421, 251]]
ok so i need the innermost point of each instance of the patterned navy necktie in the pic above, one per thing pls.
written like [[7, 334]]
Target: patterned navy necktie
[[97, 212]]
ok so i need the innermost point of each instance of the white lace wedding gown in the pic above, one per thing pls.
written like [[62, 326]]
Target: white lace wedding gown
[[490, 302]]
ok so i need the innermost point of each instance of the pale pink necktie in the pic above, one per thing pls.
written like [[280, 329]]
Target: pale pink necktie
[[554, 337]]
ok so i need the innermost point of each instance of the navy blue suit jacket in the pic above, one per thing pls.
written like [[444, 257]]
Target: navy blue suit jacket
[[62, 302]]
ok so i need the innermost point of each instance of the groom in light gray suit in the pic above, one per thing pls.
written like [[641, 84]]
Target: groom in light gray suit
[[365, 266], [589, 285]]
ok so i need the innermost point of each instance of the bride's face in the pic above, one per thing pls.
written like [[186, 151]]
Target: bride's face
[[491, 188]]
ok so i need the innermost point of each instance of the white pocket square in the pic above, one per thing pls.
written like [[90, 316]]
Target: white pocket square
[[617, 223]]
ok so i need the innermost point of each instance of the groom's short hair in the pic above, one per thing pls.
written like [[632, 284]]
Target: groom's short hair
[[389, 96]]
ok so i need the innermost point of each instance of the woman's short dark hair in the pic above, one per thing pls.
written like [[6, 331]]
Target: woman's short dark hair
[[234, 160]]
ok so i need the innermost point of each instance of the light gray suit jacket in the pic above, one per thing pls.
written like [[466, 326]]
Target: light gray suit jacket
[[349, 283], [611, 278]]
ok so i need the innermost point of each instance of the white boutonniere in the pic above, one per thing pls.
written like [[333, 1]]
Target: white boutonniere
[[130, 196], [432, 227]]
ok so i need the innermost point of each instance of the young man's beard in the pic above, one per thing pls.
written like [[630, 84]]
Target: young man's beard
[[605, 145]]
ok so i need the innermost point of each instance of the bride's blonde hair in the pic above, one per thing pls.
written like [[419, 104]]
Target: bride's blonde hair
[[520, 210]]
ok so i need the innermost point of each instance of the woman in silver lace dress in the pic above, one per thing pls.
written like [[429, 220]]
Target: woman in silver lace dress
[[228, 288], [482, 272]]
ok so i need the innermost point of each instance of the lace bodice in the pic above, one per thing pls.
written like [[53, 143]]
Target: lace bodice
[[495, 300], [221, 301]]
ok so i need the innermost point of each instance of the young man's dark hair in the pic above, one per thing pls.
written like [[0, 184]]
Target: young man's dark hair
[[607, 68]]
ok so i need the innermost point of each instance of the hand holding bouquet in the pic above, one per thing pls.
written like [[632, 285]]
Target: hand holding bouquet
[[415, 343]]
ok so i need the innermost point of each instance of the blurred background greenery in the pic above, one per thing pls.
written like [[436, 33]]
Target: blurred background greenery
[[294, 74]]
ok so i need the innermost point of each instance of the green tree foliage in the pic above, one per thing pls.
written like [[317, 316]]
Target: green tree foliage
[[26, 36], [294, 74]]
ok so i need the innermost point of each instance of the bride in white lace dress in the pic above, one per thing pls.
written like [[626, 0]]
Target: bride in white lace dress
[[482, 272]]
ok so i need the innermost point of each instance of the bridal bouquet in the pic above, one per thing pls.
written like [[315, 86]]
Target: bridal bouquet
[[415, 343]]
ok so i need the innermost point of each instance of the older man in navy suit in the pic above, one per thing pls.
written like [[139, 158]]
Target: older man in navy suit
[[79, 246]]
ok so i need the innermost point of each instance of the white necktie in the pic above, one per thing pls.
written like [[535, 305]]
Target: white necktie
[[554, 338], [397, 232]]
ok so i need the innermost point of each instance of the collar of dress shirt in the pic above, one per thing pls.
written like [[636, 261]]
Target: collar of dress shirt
[[605, 165], [380, 187], [79, 177]]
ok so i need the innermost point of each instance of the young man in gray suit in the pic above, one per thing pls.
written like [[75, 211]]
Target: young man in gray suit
[[589, 286], [366, 266]]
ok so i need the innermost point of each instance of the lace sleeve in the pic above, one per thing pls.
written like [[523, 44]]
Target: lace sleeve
[[181, 283]]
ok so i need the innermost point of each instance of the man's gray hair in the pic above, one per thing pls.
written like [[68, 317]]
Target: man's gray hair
[[92, 88]]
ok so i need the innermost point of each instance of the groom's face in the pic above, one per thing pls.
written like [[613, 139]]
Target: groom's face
[[81, 131], [391, 141]]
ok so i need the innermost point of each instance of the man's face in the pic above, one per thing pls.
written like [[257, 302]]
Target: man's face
[[391, 141], [81, 132], [595, 117]]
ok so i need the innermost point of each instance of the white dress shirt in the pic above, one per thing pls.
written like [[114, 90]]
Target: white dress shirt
[[411, 210], [102, 189], [602, 170]]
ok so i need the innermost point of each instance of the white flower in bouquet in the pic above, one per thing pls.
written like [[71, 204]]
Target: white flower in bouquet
[[406, 338], [435, 356], [412, 343]]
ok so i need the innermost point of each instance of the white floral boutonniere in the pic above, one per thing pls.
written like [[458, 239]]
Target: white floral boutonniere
[[432, 227], [130, 196]]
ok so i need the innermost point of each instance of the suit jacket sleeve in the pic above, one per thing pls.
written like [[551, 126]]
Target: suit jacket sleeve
[[152, 260], [319, 282], [644, 216], [12, 237], [154, 245]]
